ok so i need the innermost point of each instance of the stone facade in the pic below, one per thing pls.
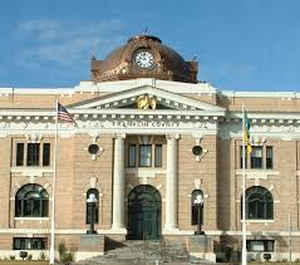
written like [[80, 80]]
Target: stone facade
[[187, 115]]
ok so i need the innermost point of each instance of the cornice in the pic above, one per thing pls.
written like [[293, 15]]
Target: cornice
[[95, 114], [259, 94], [173, 86], [265, 118], [114, 86], [167, 98]]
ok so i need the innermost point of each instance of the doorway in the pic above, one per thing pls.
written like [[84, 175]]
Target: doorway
[[144, 213]]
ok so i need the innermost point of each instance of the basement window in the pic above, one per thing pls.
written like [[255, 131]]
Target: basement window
[[24, 243], [260, 245]]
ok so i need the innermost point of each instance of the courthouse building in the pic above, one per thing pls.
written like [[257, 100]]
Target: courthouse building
[[148, 138]]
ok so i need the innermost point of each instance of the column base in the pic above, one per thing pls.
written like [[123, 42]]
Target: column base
[[118, 230], [171, 231], [197, 233]]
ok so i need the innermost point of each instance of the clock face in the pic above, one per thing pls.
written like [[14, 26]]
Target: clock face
[[144, 59]]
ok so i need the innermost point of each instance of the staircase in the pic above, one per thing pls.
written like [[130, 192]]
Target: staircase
[[143, 252]]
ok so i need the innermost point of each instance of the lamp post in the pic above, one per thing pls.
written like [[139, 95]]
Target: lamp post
[[92, 201], [198, 202]]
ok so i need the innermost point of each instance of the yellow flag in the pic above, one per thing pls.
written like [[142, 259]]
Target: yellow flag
[[246, 133]]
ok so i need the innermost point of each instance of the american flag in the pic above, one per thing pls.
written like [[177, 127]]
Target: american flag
[[63, 114]]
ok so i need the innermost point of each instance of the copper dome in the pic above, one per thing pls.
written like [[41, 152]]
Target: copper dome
[[163, 62]]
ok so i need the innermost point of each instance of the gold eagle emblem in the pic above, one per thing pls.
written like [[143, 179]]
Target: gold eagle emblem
[[146, 102]]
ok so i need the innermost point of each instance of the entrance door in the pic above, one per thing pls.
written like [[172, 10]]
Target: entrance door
[[144, 213]]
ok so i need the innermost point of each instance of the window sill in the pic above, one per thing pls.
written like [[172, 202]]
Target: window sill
[[30, 250], [259, 221], [259, 251], [257, 173], [31, 171], [31, 218], [145, 171]]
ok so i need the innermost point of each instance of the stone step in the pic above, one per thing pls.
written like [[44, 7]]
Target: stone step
[[143, 252]]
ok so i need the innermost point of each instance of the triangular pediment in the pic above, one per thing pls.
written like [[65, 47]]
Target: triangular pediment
[[128, 100]]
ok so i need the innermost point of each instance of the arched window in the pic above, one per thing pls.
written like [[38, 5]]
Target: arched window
[[197, 207], [259, 203], [32, 200], [90, 207]]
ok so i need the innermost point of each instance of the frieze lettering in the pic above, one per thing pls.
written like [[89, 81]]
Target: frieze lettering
[[151, 124]]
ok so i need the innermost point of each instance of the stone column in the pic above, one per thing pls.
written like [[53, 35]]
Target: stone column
[[171, 184], [119, 185]]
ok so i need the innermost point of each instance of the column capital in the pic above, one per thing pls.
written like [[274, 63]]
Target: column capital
[[120, 135], [173, 136]]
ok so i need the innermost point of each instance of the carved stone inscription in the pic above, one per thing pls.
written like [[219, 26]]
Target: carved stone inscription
[[153, 124]]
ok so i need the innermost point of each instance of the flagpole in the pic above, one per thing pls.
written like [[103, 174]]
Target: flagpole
[[244, 249], [52, 241]]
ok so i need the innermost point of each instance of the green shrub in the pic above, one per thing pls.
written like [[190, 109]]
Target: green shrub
[[12, 257], [42, 256], [62, 249], [65, 256], [29, 257]]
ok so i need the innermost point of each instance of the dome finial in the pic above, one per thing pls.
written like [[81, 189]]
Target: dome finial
[[146, 31]]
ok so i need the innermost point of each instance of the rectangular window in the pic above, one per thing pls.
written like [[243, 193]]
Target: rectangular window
[[46, 154], [24, 243], [132, 155], [158, 155], [269, 157], [257, 157], [145, 155], [260, 245], [241, 156], [33, 154], [20, 154]]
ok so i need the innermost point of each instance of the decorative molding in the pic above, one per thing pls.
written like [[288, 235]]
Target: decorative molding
[[33, 138], [129, 188], [172, 136], [144, 180], [197, 183], [95, 135], [199, 157], [198, 138], [94, 182], [257, 141], [120, 135]]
